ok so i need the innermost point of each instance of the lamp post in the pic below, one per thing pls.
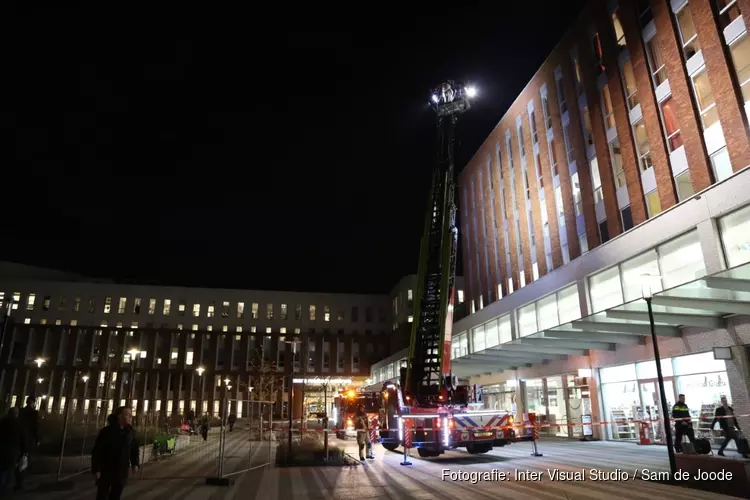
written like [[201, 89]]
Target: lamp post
[[290, 372], [6, 322], [39, 361], [200, 371], [647, 296], [133, 360]]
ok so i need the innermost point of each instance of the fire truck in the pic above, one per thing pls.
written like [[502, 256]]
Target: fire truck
[[347, 403], [427, 407]]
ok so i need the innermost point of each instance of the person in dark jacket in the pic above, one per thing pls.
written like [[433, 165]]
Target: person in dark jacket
[[115, 452], [12, 447], [683, 426], [725, 416], [29, 419], [231, 420]]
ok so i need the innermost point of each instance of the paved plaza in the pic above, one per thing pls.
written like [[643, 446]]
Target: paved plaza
[[180, 477]]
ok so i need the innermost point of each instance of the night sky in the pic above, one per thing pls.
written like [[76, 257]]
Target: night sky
[[292, 152]]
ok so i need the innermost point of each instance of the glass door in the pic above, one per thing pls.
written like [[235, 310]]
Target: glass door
[[651, 405]]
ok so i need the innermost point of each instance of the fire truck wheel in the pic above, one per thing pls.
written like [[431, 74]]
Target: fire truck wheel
[[478, 448], [390, 447], [427, 453]]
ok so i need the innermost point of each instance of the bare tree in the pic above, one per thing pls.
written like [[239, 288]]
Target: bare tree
[[267, 379]]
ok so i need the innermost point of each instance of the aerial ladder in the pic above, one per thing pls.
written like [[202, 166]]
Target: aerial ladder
[[428, 404]]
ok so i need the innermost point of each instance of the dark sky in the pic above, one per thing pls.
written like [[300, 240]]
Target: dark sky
[[290, 150]]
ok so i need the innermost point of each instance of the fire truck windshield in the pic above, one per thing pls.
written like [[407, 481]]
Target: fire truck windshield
[[370, 404]]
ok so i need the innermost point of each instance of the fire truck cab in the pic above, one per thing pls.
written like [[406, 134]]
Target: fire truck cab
[[347, 403]]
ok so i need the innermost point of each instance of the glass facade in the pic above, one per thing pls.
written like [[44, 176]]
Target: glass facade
[[630, 394]]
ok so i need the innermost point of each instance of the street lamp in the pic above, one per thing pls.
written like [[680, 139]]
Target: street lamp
[[133, 360], [6, 321], [646, 280], [85, 378], [290, 372], [200, 371], [39, 362]]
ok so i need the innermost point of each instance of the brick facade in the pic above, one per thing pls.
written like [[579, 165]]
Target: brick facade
[[596, 19], [682, 96]]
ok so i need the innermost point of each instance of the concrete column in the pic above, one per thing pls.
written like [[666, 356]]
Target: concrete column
[[710, 239], [738, 371], [583, 297]]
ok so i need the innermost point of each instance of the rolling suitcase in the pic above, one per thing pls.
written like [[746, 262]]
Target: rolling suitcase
[[702, 446], [742, 446]]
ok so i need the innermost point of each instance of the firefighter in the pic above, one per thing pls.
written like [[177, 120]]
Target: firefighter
[[362, 425], [683, 426]]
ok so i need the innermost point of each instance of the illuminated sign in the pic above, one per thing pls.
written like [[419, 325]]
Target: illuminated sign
[[323, 381]]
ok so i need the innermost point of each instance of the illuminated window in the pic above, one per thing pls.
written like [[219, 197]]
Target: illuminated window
[[643, 147], [618, 165], [688, 35], [547, 115], [254, 310], [137, 306], [122, 305], [107, 305], [225, 309], [609, 111], [211, 310], [653, 204], [283, 312], [619, 32], [630, 87], [410, 319], [167, 307], [151, 307], [326, 313], [656, 62], [241, 310], [181, 308], [671, 125], [460, 296], [704, 95], [196, 310], [30, 301], [312, 313]]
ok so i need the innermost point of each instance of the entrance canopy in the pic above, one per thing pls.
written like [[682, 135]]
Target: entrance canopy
[[705, 304]]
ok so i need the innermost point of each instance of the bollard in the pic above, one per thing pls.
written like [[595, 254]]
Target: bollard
[[407, 441], [534, 434]]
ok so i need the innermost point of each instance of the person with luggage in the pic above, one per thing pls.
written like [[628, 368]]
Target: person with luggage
[[683, 426], [725, 416]]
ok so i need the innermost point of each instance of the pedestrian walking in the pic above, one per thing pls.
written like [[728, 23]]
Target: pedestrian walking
[[12, 448], [683, 426], [231, 421], [115, 454], [725, 416], [205, 424], [29, 419]]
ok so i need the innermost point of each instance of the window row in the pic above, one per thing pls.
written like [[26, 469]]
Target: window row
[[224, 310]]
